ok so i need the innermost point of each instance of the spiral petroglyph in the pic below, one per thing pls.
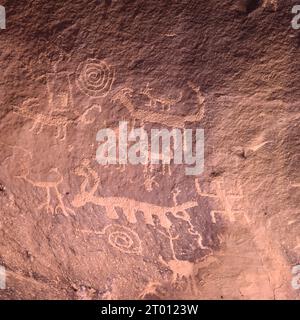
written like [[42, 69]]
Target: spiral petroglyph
[[95, 78], [123, 239]]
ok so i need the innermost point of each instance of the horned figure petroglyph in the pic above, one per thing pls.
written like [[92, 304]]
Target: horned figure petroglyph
[[226, 199], [154, 102], [166, 119], [48, 186]]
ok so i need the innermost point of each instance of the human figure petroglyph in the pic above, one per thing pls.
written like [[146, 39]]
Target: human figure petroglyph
[[59, 121], [226, 199], [167, 119], [120, 237], [95, 77], [50, 186], [154, 102]]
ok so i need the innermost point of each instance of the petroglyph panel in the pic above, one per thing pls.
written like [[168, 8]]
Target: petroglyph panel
[[76, 229]]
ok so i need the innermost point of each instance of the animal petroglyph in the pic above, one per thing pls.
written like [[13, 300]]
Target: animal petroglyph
[[59, 121], [95, 78], [131, 207], [154, 102], [157, 216], [48, 186], [170, 120], [226, 200], [121, 238], [180, 269]]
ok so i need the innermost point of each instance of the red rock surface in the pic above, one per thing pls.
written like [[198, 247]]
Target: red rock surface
[[73, 229]]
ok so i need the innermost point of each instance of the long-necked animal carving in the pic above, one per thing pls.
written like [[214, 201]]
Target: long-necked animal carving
[[129, 206], [166, 119]]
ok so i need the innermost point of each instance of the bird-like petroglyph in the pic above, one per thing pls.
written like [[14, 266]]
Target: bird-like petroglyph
[[226, 199], [155, 102], [52, 191], [120, 237], [95, 78], [171, 120]]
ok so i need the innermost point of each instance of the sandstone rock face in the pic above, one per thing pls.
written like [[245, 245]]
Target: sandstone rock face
[[72, 228]]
